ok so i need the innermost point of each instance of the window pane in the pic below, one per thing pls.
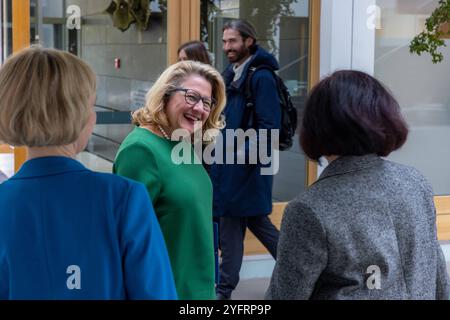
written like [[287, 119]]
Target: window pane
[[6, 155], [52, 36], [126, 63], [422, 88], [283, 29], [5, 29], [53, 8]]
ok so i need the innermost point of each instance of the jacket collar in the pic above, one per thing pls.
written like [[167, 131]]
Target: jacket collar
[[47, 166], [239, 82], [349, 164], [238, 70]]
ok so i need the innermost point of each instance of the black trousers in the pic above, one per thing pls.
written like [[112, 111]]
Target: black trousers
[[231, 238]]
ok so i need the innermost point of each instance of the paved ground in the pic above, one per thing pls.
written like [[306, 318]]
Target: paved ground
[[251, 289], [255, 289]]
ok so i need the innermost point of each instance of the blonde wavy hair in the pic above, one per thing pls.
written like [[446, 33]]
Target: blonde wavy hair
[[44, 97], [154, 110]]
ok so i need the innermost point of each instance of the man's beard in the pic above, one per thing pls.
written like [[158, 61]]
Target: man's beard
[[239, 55]]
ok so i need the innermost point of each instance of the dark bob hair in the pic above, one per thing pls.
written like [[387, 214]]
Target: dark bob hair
[[195, 51], [351, 113]]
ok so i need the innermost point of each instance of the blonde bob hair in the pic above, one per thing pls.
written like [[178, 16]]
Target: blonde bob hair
[[45, 98], [154, 110]]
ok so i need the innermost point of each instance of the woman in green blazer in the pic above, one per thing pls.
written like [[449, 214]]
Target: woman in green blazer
[[187, 98]]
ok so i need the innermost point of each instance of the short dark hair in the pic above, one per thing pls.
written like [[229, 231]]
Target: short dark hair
[[195, 51], [351, 113], [245, 29]]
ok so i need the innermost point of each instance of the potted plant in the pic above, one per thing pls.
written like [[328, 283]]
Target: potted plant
[[437, 29]]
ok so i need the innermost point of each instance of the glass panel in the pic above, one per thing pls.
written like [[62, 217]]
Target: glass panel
[[421, 88], [53, 8], [5, 29], [52, 36], [126, 62], [283, 29]]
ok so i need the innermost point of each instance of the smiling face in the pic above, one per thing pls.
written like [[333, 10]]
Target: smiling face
[[179, 113], [235, 47]]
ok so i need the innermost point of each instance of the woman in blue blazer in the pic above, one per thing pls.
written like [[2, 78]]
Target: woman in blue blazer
[[67, 232]]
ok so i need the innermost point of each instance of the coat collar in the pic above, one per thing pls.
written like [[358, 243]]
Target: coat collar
[[238, 70], [47, 166], [240, 82], [349, 164]]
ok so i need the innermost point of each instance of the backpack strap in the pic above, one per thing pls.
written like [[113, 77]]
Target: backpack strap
[[247, 119]]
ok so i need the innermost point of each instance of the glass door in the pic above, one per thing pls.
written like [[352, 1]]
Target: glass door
[[127, 54], [5, 29], [289, 29], [423, 91], [283, 28]]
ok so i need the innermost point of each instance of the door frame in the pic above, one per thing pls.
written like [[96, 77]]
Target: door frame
[[184, 17]]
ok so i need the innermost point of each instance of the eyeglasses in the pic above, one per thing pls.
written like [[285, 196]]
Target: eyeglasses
[[192, 97]]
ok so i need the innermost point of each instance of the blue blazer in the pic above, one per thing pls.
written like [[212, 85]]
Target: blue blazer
[[69, 233]]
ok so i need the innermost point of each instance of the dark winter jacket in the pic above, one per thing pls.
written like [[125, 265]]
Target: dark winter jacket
[[240, 190]]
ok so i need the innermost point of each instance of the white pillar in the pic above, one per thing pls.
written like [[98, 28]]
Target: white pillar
[[347, 37], [335, 35], [366, 18]]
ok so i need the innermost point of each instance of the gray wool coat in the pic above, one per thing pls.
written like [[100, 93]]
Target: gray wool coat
[[365, 230]]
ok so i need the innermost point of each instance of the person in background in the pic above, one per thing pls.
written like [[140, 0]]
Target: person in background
[[187, 97], [67, 232], [194, 51], [242, 195], [367, 228]]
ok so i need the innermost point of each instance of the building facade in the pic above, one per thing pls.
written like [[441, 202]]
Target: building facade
[[310, 38]]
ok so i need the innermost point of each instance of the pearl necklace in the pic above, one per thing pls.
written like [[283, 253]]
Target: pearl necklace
[[163, 132]]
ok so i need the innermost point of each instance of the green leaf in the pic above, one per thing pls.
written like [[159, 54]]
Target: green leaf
[[430, 40]]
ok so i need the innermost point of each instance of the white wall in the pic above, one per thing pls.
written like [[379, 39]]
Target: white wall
[[347, 39], [335, 35], [365, 18]]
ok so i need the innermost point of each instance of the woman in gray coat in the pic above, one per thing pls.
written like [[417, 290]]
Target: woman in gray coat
[[367, 228]]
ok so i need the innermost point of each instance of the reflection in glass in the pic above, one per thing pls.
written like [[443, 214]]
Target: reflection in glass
[[422, 88], [5, 29], [283, 29], [126, 63]]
